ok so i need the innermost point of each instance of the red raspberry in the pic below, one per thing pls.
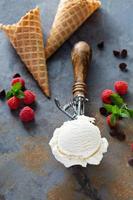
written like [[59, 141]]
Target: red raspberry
[[132, 147], [108, 119], [13, 103], [18, 80], [121, 87], [29, 97], [27, 114], [106, 96]]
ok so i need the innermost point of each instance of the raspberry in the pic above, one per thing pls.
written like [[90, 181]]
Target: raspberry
[[13, 103], [121, 87], [132, 147], [29, 97], [27, 114], [106, 96], [18, 80], [108, 119]]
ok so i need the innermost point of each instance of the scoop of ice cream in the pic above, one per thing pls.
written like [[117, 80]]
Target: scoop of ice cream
[[78, 142]]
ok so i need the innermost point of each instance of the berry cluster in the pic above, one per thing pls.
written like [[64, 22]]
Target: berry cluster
[[116, 109], [18, 96], [113, 103]]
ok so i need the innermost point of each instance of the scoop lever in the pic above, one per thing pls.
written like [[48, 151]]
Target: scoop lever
[[65, 108]]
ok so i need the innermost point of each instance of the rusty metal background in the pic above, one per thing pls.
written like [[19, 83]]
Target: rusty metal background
[[28, 170]]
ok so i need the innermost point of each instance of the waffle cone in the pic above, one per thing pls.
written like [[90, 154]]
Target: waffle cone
[[27, 38], [70, 15]]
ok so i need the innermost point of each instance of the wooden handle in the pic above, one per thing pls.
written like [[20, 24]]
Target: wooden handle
[[81, 58]]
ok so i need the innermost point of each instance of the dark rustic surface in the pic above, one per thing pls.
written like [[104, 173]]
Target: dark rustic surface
[[28, 170]]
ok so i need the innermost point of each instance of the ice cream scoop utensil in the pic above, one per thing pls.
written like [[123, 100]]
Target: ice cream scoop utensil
[[78, 141], [81, 58]]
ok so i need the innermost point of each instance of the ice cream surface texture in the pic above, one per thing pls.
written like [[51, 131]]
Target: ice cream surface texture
[[78, 142]]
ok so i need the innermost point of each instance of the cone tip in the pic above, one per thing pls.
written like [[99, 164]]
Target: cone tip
[[48, 97], [47, 94], [95, 2], [98, 3], [46, 91], [35, 9]]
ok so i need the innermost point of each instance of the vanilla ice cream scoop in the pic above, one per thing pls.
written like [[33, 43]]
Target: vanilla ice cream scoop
[[78, 142]]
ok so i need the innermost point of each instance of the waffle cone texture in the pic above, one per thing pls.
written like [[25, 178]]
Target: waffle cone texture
[[27, 38], [70, 16]]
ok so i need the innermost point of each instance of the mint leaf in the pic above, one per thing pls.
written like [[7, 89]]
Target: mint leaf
[[20, 95], [124, 113], [16, 87], [9, 94], [16, 90], [115, 109], [108, 107], [117, 100], [118, 109], [112, 108], [113, 119], [130, 112]]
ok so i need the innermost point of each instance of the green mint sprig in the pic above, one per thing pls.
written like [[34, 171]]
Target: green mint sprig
[[16, 90], [118, 109], [117, 100]]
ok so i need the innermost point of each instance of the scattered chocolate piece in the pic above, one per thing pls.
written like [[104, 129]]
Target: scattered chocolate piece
[[116, 53], [16, 75], [103, 111], [124, 53], [118, 133], [2, 94], [113, 133], [100, 45], [130, 162], [121, 136], [23, 88], [123, 66]]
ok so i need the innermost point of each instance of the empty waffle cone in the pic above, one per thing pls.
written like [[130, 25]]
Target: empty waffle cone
[[70, 15], [27, 38]]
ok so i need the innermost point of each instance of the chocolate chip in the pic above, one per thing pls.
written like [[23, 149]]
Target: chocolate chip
[[23, 88], [118, 133], [130, 162], [113, 133], [121, 136], [16, 75], [103, 111], [116, 53], [100, 45], [123, 66], [124, 53], [2, 94]]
